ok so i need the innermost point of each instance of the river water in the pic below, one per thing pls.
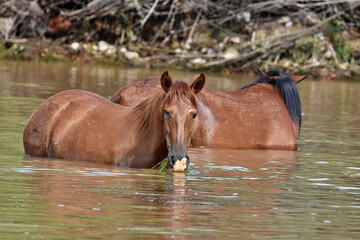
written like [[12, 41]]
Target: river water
[[228, 194]]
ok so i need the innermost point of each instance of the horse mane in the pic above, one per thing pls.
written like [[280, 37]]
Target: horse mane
[[181, 91], [288, 89], [148, 114]]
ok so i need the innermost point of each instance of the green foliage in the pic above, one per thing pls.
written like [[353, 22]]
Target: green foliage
[[337, 22], [161, 166], [15, 52], [306, 44], [51, 57], [343, 51], [339, 42], [84, 3], [85, 25], [221, 36]]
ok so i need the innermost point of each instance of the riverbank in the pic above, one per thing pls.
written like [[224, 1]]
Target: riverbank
[[320, 38], [310, 56]]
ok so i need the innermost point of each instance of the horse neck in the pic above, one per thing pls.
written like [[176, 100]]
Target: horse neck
[[146, 118]]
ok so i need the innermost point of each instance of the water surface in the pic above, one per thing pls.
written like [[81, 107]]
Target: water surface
[[228, 194]]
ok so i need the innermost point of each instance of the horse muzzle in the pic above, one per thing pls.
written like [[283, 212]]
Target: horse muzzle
[[178, 163]]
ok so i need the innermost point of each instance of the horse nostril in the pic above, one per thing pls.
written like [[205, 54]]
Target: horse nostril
[[173, 159]]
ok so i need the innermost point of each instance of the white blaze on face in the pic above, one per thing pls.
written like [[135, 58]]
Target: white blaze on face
[[180, 165], [180, 131]]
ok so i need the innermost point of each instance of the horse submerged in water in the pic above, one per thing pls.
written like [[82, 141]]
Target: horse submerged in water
[[265, 114], [79, 125]]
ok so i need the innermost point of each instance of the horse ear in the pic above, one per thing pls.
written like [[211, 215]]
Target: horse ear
[[262, 74], [198, 84], [298, 79], [166, 81]]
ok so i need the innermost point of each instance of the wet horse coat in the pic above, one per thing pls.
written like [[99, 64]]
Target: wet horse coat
[[79, 125], [265, 114]]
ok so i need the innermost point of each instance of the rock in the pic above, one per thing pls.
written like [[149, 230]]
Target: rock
[[328, 54], [311, 18], [210, 51], [204, 50], [343, 66], [235, 40], [285, 63], [123, 50], [137, 62], [245, 15], [178, 50], [197, 61], [187, 46], [231, 53], [110, 52], [131, 55], [320, 36], [103, 46], [95, 48], [75, 46], [174, 45], [288, 24], [284, 20]]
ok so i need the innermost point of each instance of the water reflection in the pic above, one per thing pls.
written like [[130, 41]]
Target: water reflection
[[170, 204]]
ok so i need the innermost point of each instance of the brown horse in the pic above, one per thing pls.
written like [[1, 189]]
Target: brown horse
[[264, 114], [79, 125]]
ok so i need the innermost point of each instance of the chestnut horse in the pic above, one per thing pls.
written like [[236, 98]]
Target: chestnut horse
[[264, 114], [79, 125]]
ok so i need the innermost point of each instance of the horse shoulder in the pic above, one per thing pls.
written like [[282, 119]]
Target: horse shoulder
[[273, 117]]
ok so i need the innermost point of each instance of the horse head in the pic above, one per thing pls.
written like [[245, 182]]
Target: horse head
[[180, 110]]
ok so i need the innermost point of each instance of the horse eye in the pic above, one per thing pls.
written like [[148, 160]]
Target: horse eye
[[167, 114], [194, 115]]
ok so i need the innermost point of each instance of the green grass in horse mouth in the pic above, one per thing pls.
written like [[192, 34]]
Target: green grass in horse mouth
[[161, 166]]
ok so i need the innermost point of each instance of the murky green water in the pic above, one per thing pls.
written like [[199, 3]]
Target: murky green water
[[228, 194]]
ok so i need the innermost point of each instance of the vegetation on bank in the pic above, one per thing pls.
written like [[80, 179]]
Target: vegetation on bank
[[319, 36]]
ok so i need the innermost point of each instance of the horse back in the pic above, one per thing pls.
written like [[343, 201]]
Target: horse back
[[54, 119], [136, 92], [254, 117]]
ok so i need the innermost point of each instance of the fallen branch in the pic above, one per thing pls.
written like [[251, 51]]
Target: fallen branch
[[274, 47]]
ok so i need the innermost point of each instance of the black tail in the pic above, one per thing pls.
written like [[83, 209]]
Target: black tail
[[288, 89]]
